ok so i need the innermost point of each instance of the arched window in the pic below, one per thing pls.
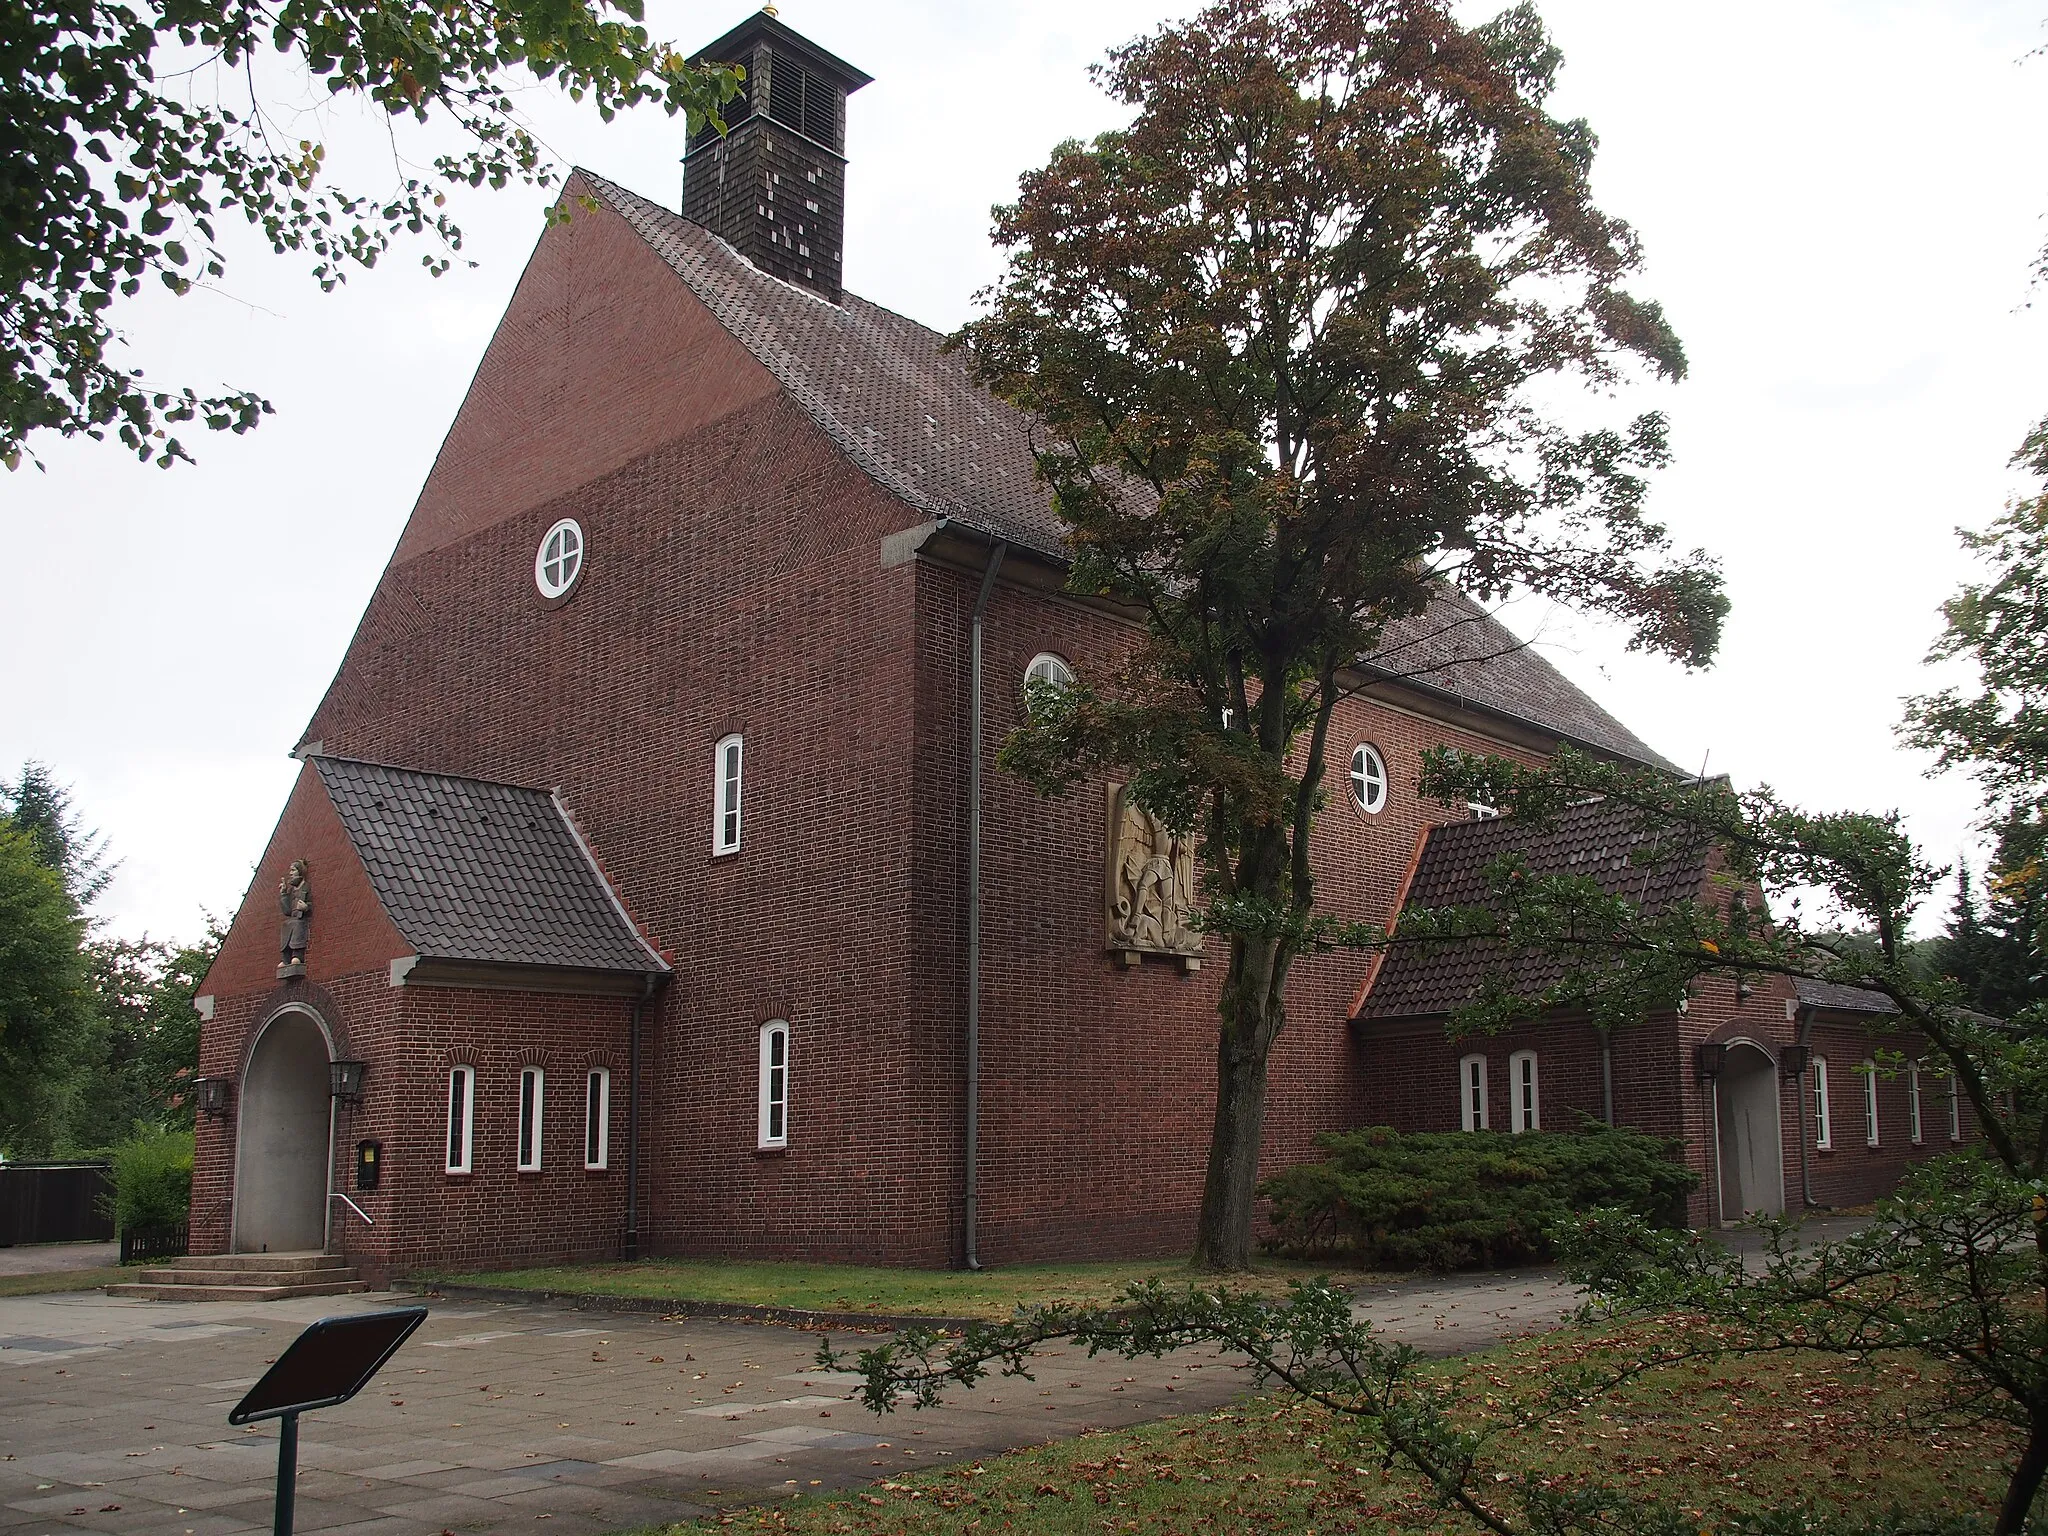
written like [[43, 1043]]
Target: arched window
[[725, 796], [1472, 1093], [1525, 1111], [774, 1084], [597, 1118], [461, 1115], [1368, 779], [1823, 1123], [1049, 669], [529, 1119], [559, 560]]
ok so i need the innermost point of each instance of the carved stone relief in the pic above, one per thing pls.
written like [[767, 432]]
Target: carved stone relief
[[1149, 889]]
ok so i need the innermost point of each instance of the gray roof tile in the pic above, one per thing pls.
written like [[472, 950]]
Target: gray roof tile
[[906, 411], [471, 870]]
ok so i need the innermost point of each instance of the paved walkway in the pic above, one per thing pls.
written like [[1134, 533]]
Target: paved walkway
[[113, 1413], [56, 1258]]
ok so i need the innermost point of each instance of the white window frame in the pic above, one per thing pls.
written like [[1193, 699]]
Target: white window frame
[[1823, 1122], [532, 1118], [728, 793], [1479, 810], [1870, 1131], [460, 1133], [1914, 1129], [1472, 1113], [1955, 1106], [550, 587], [1369, 766], [1053, 668], [597, 1118], [1525, 1093], [774, 1091]]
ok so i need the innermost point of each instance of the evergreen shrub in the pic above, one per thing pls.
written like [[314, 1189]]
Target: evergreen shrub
[[152, 1179], [1467, 1199]]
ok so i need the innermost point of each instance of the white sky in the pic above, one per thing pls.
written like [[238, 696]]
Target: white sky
[[1839, 200]]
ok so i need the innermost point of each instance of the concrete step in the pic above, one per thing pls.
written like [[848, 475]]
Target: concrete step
[[249, 1274], [155, 1291], [268, 1263]]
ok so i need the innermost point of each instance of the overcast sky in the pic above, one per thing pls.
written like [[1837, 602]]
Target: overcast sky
[[1839, 201]]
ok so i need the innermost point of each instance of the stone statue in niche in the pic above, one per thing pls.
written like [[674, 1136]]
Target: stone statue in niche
[[1151, 884], [295, 902]]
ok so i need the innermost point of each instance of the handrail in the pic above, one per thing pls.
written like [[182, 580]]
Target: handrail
[[335, 1194]]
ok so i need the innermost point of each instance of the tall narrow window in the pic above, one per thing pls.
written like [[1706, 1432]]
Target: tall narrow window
[[1823, 1127], [1955, 1108], [461, 1111], [1870, 1103], [529, 1119], [1526, 1115], [725, 797], [775, 1084], [1913, 1103], [597, 1118], [1472, 1093]]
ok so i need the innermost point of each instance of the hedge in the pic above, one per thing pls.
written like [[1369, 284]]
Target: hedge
[[152, 1179], [1467, 1199]]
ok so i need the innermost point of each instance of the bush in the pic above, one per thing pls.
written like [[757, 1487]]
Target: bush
[[1467, 1199], [152, 1179]]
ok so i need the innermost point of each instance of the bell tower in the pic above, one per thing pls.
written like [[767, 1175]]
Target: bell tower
[[773, 186]]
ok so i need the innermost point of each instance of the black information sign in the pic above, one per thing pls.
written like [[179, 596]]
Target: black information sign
[[327, 1364]]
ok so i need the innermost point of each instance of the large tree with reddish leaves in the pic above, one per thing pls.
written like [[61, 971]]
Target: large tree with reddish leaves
[[1296, 338]]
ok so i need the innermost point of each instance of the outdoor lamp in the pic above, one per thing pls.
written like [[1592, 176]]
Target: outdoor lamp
[[212, 1094], [345, 1079], [1792, 1059], [1711, 1058]]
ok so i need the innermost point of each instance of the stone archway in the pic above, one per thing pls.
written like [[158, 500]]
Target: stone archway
[[1751, 1155], [284, 1148]]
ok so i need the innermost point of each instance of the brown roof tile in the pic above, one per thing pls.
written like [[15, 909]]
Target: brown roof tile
[[1602, 839], [906, 411]]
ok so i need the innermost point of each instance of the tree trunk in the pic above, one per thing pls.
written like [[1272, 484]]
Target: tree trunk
[[2026, 1482], [1251, 1021]]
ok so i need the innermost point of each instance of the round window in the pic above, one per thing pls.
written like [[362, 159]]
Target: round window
[[1048, 669], [1368, 779], [559, 560]]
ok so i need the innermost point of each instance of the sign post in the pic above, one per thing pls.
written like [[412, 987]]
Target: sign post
[[327, 1364]]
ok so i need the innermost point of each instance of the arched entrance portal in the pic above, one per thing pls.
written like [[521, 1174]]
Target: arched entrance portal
[[283, 1151], [1751, 1151]]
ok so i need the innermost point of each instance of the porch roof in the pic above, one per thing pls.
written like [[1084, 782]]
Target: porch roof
[[484, 874]]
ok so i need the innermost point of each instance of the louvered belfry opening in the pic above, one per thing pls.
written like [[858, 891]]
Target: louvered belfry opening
[[773, 185]]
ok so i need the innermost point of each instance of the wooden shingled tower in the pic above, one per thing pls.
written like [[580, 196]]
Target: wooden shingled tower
[[773, 185]]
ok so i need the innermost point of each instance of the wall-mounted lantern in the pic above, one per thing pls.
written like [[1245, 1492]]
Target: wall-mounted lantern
[[211, 1094], [1711, 1059], [345, 1079], [1792, 1059]]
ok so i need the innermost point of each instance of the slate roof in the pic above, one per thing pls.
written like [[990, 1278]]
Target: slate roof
[[1599, 838], [1832, 994], [907, 412], [473, 871]]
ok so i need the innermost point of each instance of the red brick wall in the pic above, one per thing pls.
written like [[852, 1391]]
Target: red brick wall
[[349, 931], [1098, 1080]]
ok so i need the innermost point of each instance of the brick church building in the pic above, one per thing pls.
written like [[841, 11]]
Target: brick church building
[[627, 898]]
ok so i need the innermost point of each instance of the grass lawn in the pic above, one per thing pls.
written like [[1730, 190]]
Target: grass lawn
[[988, 1293], [1719, 1440], [63, 1280]]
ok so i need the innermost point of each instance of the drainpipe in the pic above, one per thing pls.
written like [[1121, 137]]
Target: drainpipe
[[971, 1204], [633, 1121], [1607, 1076], [1804, 1037]]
